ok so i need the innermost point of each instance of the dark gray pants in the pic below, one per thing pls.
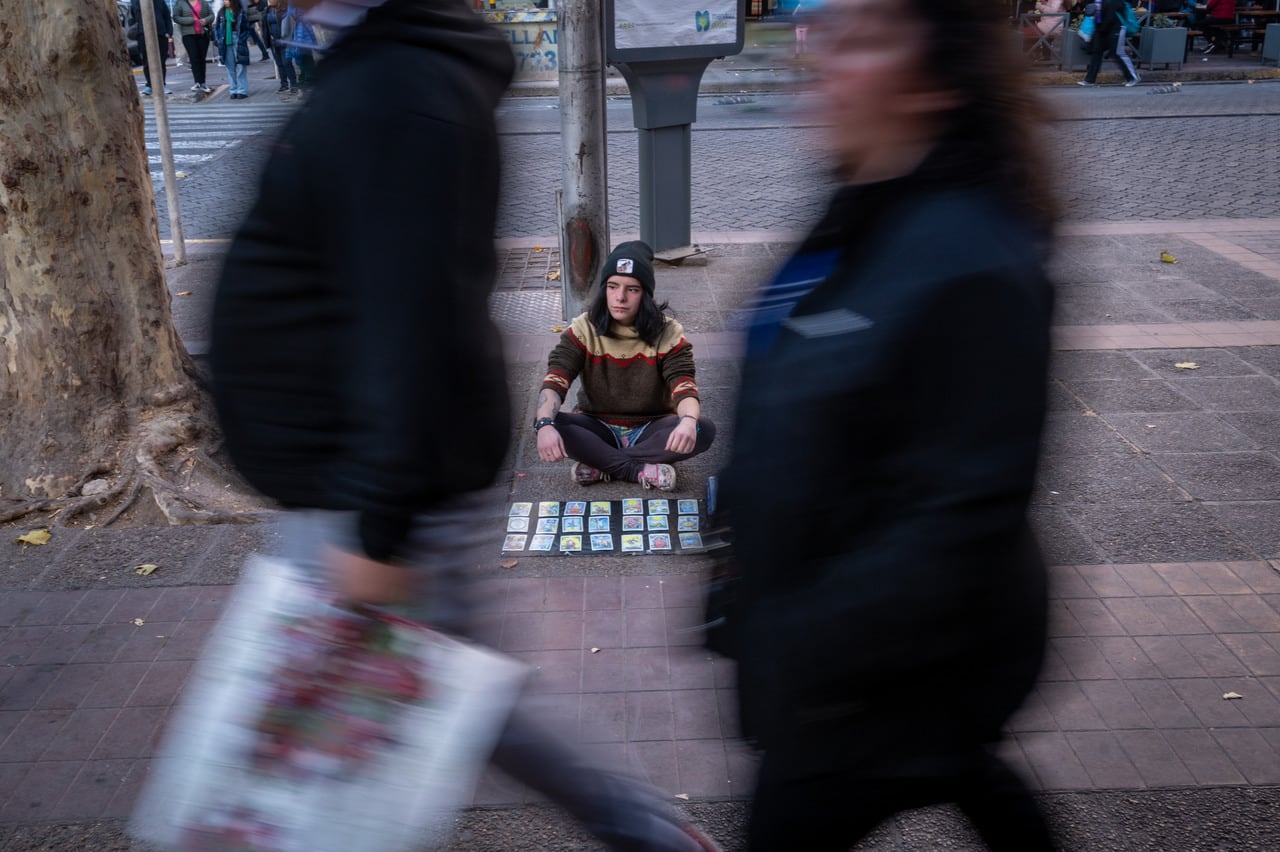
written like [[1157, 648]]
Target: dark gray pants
[[445, 545]]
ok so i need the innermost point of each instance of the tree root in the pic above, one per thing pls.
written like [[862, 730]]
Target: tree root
[[150, 468]]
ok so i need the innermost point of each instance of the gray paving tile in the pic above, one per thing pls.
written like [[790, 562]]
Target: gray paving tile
[[1096, 618], [1224, 476], [35, 732], [1054, 761], [1082, 657], [1109, 396], [1260, 656], [553, 671], [1105, 581], [703, 768], [43, 786], [1207, 761], [1255, 612], [1154, 759], [1175, 615], [1115, 704], [1070, 707], [1170, 657], [655, 762], [1262, 577], [90, 793], [1204, 697], [1252, 754], [1135, 616], [1125, 657], [1104, 759], [1252, 522], [1157, 532], [1066, 582], [1212, 656], [1144, 580], [604, 717], [1182, 432], [696, 714], [1161, 704]]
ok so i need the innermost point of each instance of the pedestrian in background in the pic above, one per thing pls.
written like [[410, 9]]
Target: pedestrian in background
[[164, 32], [253, 10], [231, 32], [194, 19], [300, 37], [891, 601], [1114, 24], [284, 68], [339, 347]]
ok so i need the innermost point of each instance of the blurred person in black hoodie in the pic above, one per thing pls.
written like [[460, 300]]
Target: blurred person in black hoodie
[[358, 377], [891, 603]]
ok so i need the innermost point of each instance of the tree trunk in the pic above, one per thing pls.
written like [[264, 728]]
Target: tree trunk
[[93, 378]]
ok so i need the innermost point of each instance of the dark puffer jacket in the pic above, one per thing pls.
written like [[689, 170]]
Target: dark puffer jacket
[[354, 363], [894, 601]]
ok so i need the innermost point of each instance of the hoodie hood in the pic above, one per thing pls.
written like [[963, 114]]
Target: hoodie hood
[[446, 26]]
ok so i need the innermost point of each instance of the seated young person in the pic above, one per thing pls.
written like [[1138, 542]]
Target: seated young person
[[638, 407]]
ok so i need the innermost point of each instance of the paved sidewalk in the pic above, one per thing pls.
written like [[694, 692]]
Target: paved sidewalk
[[1159, 509]]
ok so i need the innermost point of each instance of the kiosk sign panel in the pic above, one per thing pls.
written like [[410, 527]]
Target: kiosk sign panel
[[640, 30]]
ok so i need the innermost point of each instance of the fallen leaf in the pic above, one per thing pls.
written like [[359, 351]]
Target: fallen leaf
[[146, 570], [34, 537], [183, 293], [138, 622], [179, 174], [553, 275], [508, 563], [557, 328], [1227, 696], [595, 650], [684, 796], [1165, 257], [538, 248], [1187, 365]]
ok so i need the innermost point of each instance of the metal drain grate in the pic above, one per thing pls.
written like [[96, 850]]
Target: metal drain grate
[[527, 269], [527, 311]]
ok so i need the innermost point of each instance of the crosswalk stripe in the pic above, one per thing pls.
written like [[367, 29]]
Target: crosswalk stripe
[[199, 133]]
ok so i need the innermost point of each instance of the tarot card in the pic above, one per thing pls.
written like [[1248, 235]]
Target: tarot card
[[575, 507], [633, 522], [658, 522], [633, 506], [661, 541], [691, 541], [602, 541], [687, 507], [570, 543], [633, 543], [542, 542], [549, 525], [601, 507], [515, 524], [514, 542], [600, 523], [659, 507], [521, 508], [572, 524], [548, 509], [687, 523]]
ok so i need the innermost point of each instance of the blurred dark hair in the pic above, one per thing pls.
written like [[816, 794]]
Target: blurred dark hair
[[995, 134], [649, 319]]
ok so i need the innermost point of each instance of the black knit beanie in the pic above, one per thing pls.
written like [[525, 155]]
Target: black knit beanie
[[634, 259]]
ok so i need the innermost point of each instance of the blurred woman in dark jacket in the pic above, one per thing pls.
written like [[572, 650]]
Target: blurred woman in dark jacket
[[893, 601]]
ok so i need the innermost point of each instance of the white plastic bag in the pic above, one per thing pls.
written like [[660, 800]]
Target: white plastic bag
[[309, 727]]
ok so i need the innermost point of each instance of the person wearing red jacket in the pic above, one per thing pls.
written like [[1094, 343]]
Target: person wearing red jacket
[[1216, 14]]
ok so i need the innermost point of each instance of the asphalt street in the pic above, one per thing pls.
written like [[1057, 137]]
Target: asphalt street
[[1208, 151]]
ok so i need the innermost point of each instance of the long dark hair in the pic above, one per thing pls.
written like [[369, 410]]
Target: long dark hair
[[970, 50], [650, 319]]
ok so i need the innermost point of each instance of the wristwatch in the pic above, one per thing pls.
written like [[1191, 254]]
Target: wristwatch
[[543, 421]]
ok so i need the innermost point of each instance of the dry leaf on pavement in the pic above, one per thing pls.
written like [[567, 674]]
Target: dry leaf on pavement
[[1165, 257], [138, 622], [34, 537], [1187, 365], [146, 570], [1228, 696], [553, 275], [508, 563]]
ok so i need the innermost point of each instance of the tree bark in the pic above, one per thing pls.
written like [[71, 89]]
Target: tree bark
[[93, 377]]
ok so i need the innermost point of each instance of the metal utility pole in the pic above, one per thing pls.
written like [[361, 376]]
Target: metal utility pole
[[155, 61], [584, 165]]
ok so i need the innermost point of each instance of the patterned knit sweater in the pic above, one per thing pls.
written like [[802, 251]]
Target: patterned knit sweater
[[624, 381]]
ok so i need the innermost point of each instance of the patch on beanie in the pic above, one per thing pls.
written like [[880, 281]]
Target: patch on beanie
[[626, 266]]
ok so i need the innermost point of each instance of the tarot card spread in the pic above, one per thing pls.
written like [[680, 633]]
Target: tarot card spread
[[633, 525]]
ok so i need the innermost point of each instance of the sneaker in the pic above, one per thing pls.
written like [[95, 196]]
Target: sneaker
[[168, 91], [1129, 84], [146, 90], [205, 89], [1085, 83], [584, 475], [1210, 49], [282, 89], [659, 476], [195, 87]]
